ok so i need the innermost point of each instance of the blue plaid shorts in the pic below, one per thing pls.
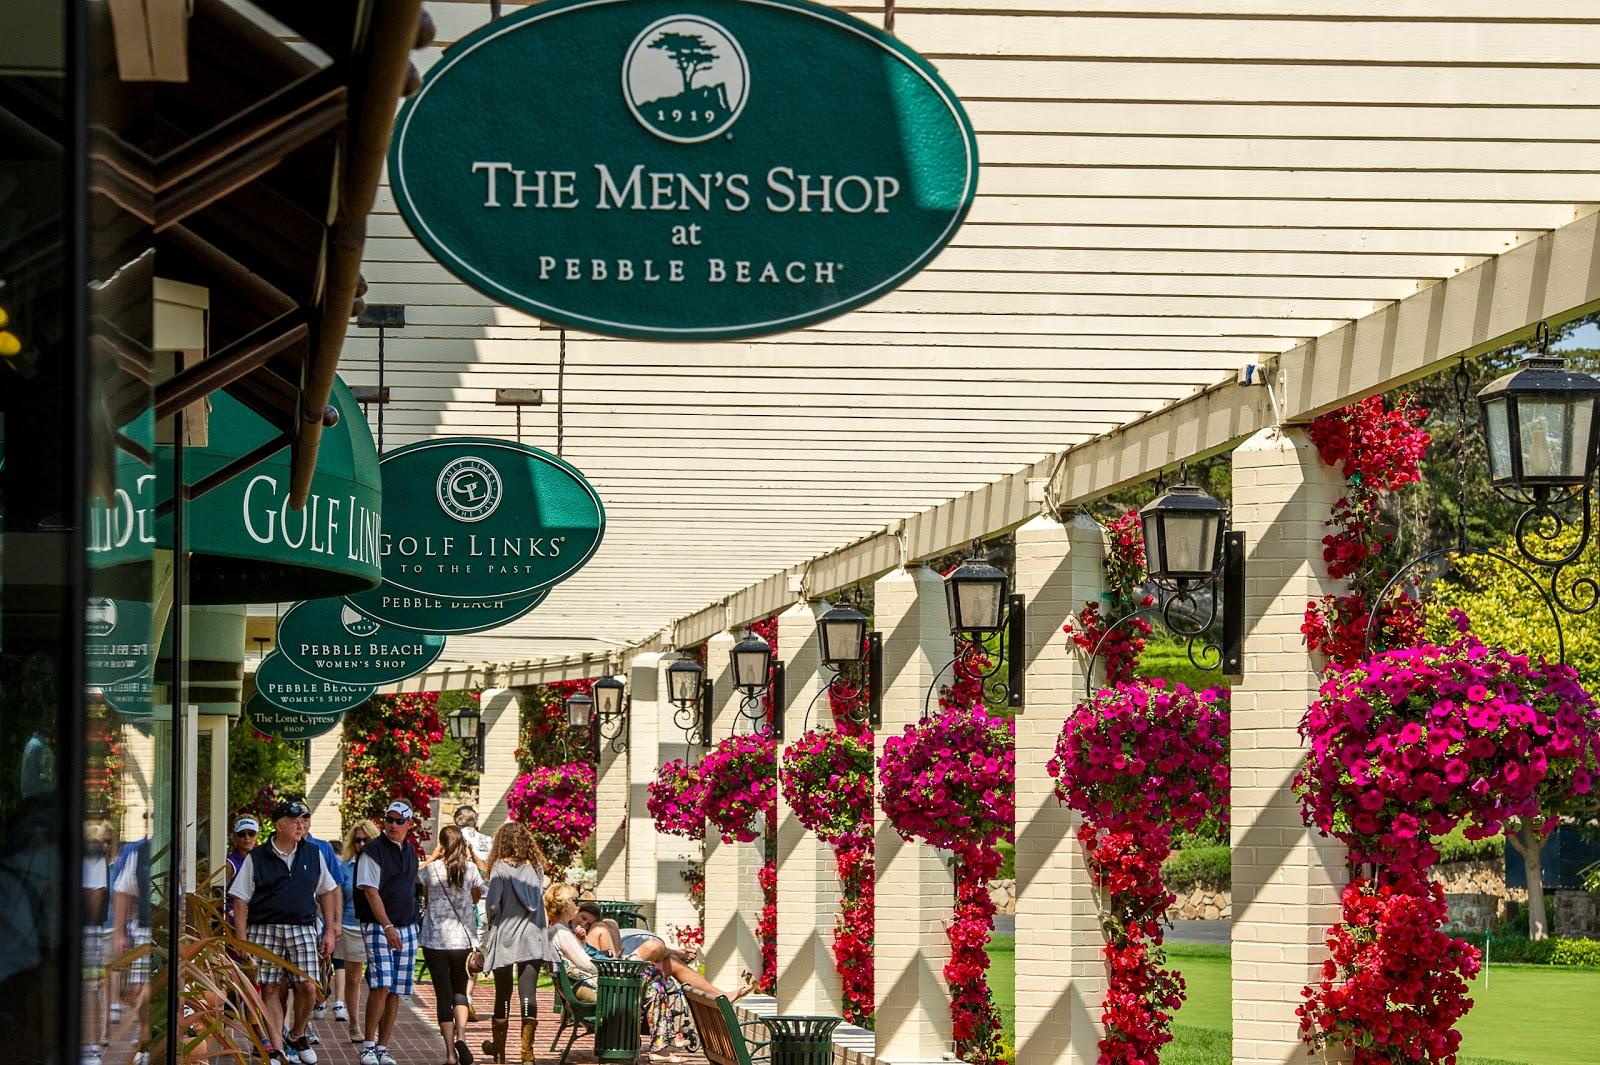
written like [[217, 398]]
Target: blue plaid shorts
[[389, 968]]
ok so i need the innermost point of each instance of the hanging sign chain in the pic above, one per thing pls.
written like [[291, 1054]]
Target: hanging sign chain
[[1463, 387]]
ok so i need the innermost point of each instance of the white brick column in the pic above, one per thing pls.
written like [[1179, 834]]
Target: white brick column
[[808, 882], [1286, 878], [642, 731], [502, 719], [724, 954], [1061, 974], [914, 893], [611, 818], [325, 785], [664, 863]]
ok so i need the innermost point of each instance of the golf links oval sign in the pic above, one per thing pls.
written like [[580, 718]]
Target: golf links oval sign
[[683, 169]]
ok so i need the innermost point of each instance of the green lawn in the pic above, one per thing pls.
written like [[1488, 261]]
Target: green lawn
[[1496, 1032]]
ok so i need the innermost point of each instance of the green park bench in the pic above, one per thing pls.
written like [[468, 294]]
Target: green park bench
[[795, 1040]]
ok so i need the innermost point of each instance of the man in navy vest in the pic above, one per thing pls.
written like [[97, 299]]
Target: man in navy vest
[[386, 906], [276, 895]]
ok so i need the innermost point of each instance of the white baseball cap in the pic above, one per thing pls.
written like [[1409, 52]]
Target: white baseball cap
[[398, 807], [246, 824]]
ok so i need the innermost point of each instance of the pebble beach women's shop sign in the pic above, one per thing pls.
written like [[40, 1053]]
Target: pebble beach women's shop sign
[[683, 169], [286, 686], [476, 533], [331, 639]]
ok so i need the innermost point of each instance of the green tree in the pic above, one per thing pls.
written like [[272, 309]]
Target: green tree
[[261, 770]]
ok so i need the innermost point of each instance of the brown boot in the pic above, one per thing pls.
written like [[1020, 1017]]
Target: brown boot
[[495, 1049], [529, 1026]]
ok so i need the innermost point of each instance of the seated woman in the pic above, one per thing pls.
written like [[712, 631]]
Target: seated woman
[[600, 931], [559, 909]]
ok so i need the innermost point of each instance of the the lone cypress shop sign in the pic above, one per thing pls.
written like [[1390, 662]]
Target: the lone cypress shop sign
[[289, 724], [475, 519], [331, 639], [683, 169]]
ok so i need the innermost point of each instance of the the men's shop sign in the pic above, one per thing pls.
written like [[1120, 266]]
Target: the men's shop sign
[[286, 686], [683, 169], [331, 639], [477, 519], [289, 724]]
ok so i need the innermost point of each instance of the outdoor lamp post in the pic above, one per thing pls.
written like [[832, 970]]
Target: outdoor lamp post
[[690, 694], [465, 728], [855, 658], [980, 605], [755, 673], [608, 701]]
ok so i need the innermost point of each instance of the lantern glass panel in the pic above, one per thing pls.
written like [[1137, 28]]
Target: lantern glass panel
[[1190, 542], [1498, 430], [579, 709], [608, 699], [842, 639], [1150, 523], [750, 666], [976, 605], [1554, 436], [464, 725], [683, 683]]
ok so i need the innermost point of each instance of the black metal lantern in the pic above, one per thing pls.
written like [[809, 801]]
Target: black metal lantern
[[1183, 531], [466, 728], [580, 710], [842, 633], [1540, 426], [752, 665], [683, 683], [976, 595], [608, 693]]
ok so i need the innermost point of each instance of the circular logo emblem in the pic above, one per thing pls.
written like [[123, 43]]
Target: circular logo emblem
[[469, 489], [357, 623], [685, 79], [101, 619]]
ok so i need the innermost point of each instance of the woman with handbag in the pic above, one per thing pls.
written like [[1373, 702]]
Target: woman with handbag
[[452, 884], [515, 943]]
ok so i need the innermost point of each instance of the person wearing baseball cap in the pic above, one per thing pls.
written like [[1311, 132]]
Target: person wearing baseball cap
[[386, 905], [277, 893], [246, 830]]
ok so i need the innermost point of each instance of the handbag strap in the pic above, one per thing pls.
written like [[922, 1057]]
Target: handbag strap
[[445, 887]]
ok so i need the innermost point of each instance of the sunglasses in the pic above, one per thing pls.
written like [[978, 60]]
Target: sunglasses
[[393, 820], [246, 832], [359, 840]]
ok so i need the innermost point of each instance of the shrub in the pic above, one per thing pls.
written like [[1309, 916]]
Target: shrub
[[1456, 847], [1518, 949], [1210, 866]]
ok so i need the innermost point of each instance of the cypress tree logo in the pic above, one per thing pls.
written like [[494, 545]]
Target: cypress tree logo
[[469, 489], [685, 79], [101, 619], [356, 623]]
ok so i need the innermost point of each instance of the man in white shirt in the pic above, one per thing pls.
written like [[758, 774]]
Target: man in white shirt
[[277, 894], [466, 819]]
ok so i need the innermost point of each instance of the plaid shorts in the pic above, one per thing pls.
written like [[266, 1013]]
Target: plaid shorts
[[141, 967], [294, 943], [389, 968]]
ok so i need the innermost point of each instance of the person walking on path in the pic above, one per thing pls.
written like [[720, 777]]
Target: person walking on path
[[386, 877], [516, 943], [466, 819], [352, 948], [245, 832], [277, 894], [451, 882]]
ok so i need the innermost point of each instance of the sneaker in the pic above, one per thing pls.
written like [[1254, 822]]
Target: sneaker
[[386, 1058], [369, 1056], [90, 1056], [291, 1055], [311, 1034], [320, 1010], [301, 1048], [339, 1012]]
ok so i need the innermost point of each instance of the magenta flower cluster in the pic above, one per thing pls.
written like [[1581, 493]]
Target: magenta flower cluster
[[673, 800], [1408, 744], [827, 781], [740, 788], [556, 802], [949, 780]]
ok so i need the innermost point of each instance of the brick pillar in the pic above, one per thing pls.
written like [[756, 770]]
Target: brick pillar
[[325, 785], [808, 882], [1286, 878], [914, 893], [502, 719], [611, 817], [724, 954], [1061, 975], [665, 865], [642, 730]]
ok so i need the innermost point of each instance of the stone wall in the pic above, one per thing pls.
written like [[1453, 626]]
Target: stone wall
[[1203, 902], [1575, 913], [1476, 894]]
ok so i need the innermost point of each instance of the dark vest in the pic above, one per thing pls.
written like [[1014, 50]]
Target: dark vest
[[397, 882], [285, 894]]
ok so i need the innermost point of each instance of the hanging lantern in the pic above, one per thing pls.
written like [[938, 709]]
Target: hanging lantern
[[976, 595], [607, 694], [752, 664], [580, 709], [842, 632], [683, 683], [464, 724], [1540, 425], [1183, 534]]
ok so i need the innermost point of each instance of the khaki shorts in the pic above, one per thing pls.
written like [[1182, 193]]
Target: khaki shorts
[[351, 947]]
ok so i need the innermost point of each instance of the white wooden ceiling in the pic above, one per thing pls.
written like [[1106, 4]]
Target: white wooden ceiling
[[1170, 189]]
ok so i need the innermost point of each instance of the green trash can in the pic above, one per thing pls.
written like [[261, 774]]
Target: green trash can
[[628, 915], [619, 1000], [801, 1040]]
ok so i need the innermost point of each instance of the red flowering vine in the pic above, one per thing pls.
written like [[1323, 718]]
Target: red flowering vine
[[1140, 762], [1378, 449], [1125, 574], [386, 739]]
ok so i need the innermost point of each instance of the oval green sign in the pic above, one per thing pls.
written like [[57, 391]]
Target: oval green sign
[[474, 518], [444, 615], [119, 642], [331, 639], [289, 724], [288, 687], [683, 169]]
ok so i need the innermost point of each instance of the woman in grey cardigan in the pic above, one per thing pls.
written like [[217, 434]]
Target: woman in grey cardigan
[[516, 943]]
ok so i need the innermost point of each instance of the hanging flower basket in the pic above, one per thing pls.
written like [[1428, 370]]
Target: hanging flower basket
[[827, 781], [740, 785], [949, 781], [557, 804], [673, 800]]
